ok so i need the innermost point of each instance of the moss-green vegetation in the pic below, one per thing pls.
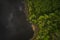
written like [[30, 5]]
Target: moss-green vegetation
[[45, 14]]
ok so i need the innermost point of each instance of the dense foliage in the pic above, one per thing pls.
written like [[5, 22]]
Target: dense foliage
[[45, 14]]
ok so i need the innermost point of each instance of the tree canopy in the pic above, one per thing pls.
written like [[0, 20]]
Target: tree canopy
[[45, 14]]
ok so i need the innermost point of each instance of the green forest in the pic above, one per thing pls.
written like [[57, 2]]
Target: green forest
[[46, 15]]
